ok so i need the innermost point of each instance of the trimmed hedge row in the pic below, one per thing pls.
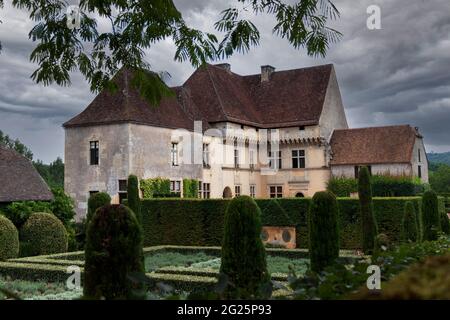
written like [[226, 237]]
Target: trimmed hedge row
[[382, 186], [34, 271], [197, 222]]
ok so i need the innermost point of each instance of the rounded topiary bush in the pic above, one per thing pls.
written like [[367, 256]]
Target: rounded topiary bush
[[96, 201], [243, 254], [323, 230], [113, 253], [409, 223], [43, 233], [9, 239], [430, 216]]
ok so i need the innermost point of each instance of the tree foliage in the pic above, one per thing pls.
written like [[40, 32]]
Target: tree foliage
[[16, 145], [440, 179], [52, 173], [135, 26]]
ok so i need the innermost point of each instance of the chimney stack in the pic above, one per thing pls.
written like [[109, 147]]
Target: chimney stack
[[225, 66], [266, 72]]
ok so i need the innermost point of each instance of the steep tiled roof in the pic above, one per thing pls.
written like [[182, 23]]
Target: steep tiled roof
[[213, 94], [19, 179], [126, 105], [376, 145]]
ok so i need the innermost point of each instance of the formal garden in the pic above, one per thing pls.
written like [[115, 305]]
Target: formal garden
[[187, 248]]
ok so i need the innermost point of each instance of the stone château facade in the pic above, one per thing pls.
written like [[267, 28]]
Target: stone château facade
[[273, 134]]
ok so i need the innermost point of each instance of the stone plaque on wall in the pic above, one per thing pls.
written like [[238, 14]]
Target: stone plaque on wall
[[279, 236]]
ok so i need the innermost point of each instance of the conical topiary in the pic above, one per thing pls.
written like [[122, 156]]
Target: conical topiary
[[243, 253], [134, 201], [410, 230], [369, 224], [95, 201], [323, 230], [445, 223], [113, 254], [430, 216]]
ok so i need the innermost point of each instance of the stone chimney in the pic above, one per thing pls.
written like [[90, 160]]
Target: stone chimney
[[266, 71], [225, 66]]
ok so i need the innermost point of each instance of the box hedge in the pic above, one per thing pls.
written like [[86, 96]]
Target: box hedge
[[200, 222]]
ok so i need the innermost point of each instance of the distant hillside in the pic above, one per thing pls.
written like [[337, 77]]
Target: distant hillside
[[439, 157]]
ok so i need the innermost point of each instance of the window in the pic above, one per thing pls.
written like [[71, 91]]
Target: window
[[205, 155], [236, 155], [301, 128], [275, 160], [298, 159], [419, 171], [276, 191], [122, 190], [206, 191], [91, 193], [237, 191], [174, 154], [252, 191], [252, 159], [94, 154], [419, 155], [175, 186], [200, 189]]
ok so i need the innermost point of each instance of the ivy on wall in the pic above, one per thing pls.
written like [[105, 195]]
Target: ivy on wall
[[155, 186], [190, 188]]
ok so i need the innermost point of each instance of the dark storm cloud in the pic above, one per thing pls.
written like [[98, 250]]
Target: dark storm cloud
[[399, 74]]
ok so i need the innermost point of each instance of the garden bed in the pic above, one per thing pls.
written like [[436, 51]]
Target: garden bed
[[182, 267]]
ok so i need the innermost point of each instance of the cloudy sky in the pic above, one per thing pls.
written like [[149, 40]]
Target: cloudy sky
[[397, 75]]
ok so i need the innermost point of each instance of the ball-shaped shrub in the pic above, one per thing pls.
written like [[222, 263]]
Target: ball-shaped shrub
[[113, 254], [430, 216], [96, 201], [43, 233], [243, 254], [323, 231], [409, 223], [9, 239]]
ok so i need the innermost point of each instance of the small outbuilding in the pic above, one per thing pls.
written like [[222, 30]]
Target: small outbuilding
[[19, 180]]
